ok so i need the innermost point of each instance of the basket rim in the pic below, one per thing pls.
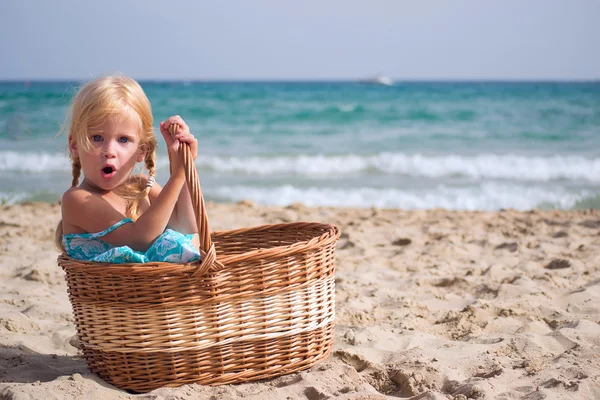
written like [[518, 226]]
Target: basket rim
[[331, 235]]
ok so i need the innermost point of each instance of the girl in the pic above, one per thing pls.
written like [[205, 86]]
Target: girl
[[113, 216]]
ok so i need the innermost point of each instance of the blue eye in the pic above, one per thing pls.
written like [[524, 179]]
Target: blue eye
[[123, 139], [96, 138]]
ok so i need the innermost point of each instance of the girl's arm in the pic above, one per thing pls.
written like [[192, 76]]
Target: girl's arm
[[183, 218]]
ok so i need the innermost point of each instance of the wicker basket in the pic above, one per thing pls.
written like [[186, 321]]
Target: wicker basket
[[264, 308]]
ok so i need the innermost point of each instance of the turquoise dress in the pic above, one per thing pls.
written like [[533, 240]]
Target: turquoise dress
[[171, 246]]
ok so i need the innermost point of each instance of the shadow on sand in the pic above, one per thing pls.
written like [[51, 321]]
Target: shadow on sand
[[20, 364]]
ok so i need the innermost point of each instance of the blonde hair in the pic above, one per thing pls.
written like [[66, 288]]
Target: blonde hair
[[96, 101]]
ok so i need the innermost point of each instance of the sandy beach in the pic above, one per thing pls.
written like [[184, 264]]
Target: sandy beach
[[430, 304]]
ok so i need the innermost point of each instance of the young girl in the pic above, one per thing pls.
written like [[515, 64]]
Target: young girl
[[114, 216]]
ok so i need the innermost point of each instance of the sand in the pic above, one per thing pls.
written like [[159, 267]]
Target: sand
[[430, 304]]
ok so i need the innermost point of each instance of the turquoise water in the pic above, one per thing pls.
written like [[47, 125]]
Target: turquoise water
[[477, 145]]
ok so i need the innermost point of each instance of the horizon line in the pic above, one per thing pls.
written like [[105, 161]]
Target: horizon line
[[322, 80]]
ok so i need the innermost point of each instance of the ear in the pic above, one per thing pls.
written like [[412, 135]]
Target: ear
[[142, 155], [73, 147]]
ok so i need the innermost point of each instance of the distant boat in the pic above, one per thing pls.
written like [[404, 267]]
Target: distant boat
[[378, 80]]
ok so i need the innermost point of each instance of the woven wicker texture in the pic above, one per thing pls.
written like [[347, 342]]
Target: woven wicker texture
[[259, 304]]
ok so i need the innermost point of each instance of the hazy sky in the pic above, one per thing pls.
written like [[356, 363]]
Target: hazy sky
[[306, 39]]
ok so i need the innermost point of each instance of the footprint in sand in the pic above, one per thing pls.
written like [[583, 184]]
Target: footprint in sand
[[512, 246], [558, 263]]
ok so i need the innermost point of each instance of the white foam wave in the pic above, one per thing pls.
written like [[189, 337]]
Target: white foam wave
[[347, 107], [488, 196], [33, 162], [483, 166], [478, 167], [12, 198]]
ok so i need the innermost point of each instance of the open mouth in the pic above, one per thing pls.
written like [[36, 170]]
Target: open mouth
[[108, 171]]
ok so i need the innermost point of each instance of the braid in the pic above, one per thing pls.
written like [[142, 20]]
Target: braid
[[149, 161], [58, 233], [142, 189], [76, 172]]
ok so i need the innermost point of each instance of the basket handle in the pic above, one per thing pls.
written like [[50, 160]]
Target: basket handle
[[207, 248]]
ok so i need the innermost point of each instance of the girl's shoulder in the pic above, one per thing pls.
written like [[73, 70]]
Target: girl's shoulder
[[87, 211], [77, 200], [76, 194]]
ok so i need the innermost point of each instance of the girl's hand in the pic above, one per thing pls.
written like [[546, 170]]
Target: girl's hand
[[182, 135]]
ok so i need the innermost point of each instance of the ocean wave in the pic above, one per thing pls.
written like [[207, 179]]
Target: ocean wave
[[33, 162], [344, 112], [483, 166], [488, 196], [478, 167], [13, 198]]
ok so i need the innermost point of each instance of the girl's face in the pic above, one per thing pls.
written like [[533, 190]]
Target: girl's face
[[115, 151]]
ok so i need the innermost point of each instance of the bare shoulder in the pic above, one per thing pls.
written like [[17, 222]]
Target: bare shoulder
[[74, 203], [75, 197], [83, 211]]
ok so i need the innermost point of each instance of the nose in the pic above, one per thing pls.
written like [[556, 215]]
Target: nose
[[108, 150]]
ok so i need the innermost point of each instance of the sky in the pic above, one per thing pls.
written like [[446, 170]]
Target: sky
[[301, 40]]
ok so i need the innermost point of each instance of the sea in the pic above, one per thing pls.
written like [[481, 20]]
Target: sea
[[412, 145]]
